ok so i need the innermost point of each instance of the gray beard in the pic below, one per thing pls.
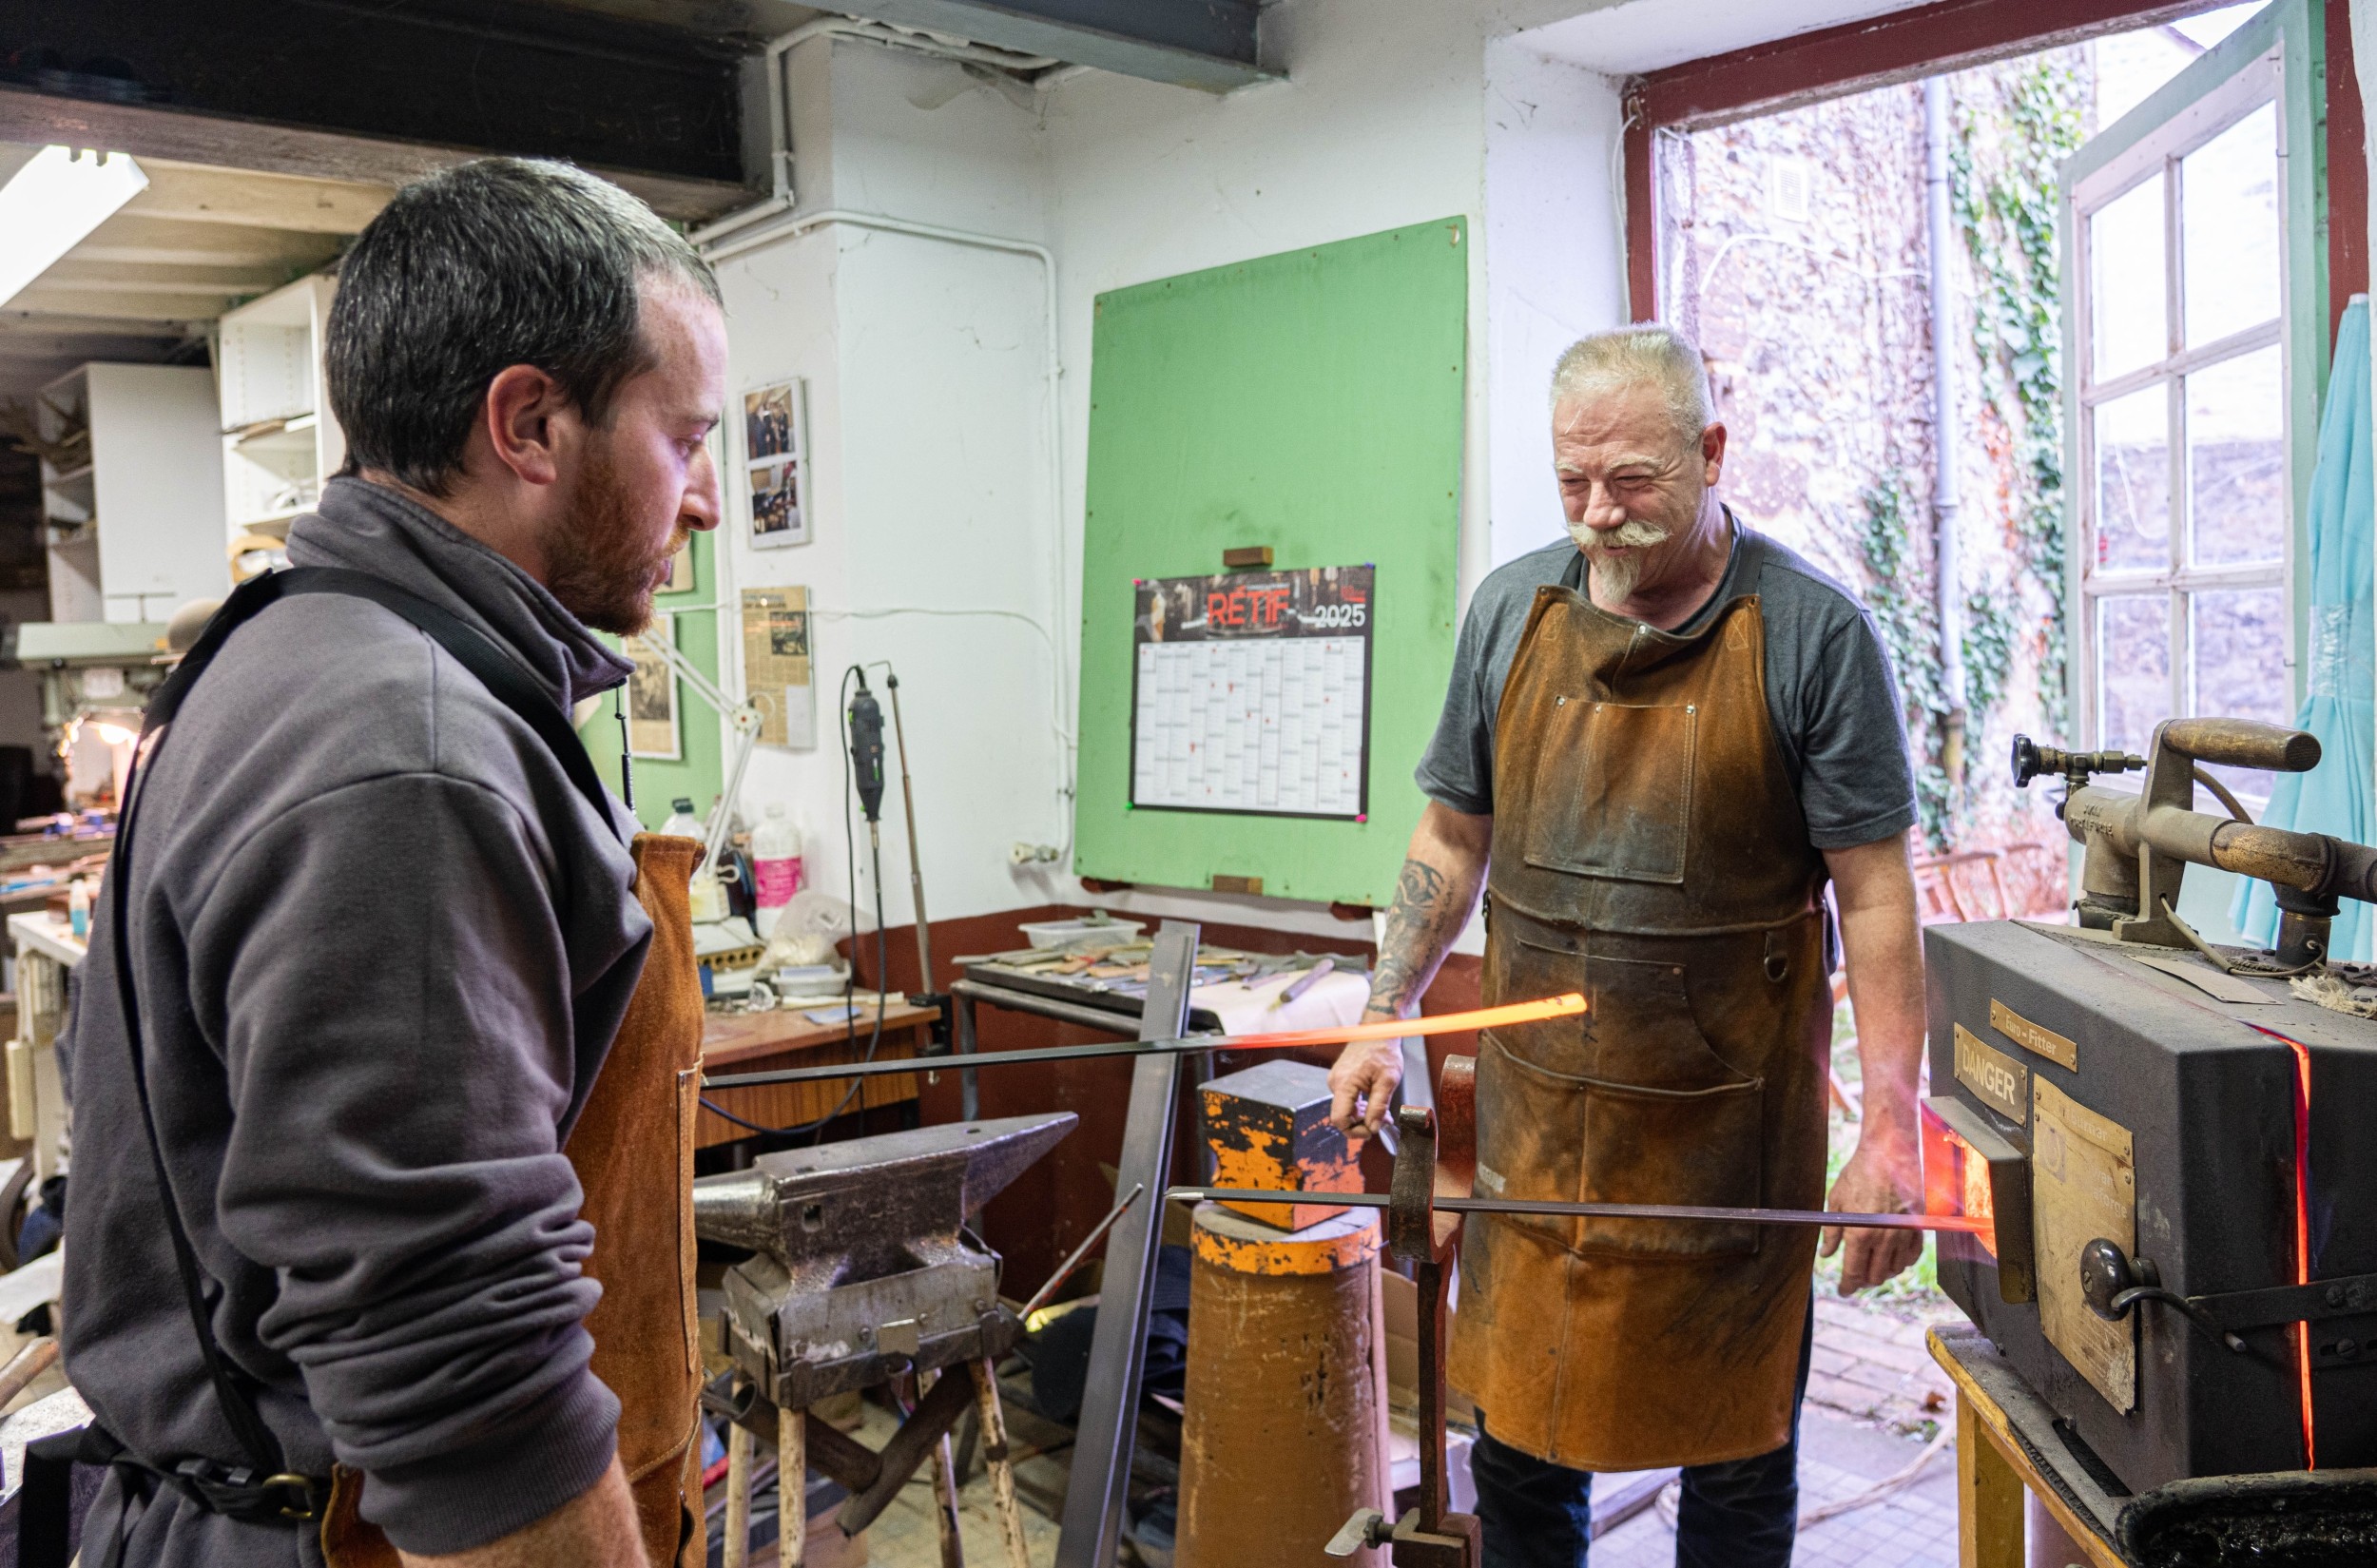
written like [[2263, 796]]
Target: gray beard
[[1616, 574]]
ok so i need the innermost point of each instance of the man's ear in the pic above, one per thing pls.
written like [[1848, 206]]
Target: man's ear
[[1711, 453], [518, 420]]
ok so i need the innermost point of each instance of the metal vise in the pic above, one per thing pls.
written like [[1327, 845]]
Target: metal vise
[[861, 1268], [2137, 847]]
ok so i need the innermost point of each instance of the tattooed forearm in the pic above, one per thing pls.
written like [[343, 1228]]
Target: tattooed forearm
[[1433, 899]]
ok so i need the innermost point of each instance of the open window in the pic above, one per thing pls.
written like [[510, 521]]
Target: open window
[[2195, 333]]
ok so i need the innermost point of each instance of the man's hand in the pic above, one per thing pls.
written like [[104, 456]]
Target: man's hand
[[1883, 1176], [1362, 1083], [1875, 887], [596, 1529]]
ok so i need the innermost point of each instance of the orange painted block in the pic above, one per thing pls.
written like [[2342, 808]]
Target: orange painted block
[[1268, 1129]]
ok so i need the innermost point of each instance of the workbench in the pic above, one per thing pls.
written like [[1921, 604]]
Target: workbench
[[45, 949], [2007, 1448], [787, 1036]]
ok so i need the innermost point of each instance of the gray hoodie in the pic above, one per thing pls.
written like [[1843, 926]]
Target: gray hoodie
[[369, 1023]]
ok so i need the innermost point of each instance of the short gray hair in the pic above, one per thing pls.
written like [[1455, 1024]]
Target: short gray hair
[[1629, 356]]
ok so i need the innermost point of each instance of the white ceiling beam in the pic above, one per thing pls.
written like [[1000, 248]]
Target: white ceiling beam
[[248, 199]]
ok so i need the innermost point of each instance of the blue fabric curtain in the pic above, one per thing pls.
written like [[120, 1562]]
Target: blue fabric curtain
[[2335, 796]]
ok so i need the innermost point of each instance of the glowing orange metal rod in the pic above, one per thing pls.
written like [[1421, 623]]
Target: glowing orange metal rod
[[1390, 1029]]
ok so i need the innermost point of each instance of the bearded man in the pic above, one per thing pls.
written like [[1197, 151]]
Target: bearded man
[[1658, 747], [347, 1178]]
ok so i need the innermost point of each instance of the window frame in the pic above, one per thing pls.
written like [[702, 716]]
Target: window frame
[[2271, 60]]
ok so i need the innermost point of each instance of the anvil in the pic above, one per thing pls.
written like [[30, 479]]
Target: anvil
[[861, 1268]]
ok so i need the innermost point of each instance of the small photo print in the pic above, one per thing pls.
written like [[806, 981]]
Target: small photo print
[[652, 696], [768, 423], [776, 503]]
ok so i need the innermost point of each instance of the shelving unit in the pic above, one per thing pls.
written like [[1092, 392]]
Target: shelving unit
[[280, 440], [131, 496]]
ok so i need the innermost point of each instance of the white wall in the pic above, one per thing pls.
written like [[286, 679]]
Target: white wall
[[933, 527], [926, 359]]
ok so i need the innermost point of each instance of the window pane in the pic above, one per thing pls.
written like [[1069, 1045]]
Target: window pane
[[2239, 647], [2236, 468], [2229, 228], [2134, 481], [2125, 284], [2133, 668]]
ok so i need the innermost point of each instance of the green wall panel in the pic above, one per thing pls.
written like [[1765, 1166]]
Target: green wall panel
[[1313, 402], [700, 771]]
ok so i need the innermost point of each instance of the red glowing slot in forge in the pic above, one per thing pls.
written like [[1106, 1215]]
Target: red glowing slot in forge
[[1956, 1178]]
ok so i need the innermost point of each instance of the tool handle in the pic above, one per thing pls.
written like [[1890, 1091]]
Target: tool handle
[[1457, 1116], [2244, 743]]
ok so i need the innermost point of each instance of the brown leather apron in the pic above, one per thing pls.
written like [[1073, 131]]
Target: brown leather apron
[[1649, 850], [632, 1149]]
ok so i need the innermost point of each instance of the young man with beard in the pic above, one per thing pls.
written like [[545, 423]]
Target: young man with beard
[[1660, 743], [373, 930]]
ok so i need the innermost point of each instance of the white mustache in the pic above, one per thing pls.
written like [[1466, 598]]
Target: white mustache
[[1633, 533]]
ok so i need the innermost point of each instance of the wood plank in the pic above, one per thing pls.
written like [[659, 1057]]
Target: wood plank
[[251, 199], [1988, 1496], [737, 1038], [1985, 1513]]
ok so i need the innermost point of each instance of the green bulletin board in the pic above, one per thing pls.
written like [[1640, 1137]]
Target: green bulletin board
[[700, 771], [1311, 401]]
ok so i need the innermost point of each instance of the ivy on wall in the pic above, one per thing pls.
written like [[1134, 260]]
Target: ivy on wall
[[1904, 615], [2007, 201]]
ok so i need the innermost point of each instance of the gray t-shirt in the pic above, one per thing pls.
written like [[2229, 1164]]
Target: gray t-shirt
[[1829, 691]]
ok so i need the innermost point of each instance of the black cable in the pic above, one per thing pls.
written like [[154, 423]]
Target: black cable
[[815, 1130]]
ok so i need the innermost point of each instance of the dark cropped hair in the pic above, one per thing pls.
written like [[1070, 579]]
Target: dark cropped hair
[[491, 264]]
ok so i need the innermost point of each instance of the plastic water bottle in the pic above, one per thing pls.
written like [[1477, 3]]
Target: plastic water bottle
[[775, 864], [682, 823]]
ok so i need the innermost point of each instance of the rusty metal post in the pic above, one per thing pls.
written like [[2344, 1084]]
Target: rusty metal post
[[1110, 1405], [1281, 1435]]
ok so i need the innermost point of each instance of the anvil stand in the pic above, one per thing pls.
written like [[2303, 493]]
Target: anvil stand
[[873, 1479], [1429, 1534]]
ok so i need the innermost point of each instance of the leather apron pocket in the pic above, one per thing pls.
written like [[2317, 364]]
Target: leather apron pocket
[[1612, 792], [1630, 1104]]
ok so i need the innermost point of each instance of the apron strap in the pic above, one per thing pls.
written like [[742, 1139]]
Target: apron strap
[[235, 1390]]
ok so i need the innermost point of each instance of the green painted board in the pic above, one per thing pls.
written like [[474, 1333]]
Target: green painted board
[[700, 770], [1311, 401]]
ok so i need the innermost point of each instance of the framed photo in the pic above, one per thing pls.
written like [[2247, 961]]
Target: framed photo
[[776, 456], [652, 697]]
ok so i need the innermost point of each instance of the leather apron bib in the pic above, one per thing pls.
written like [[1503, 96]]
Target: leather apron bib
[[632, 1149], [1649, 850]]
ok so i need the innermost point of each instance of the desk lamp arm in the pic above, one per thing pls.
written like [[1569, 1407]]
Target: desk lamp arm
[[744, 717]]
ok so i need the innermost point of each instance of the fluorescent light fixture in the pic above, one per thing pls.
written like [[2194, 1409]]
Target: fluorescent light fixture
[[53, 203]]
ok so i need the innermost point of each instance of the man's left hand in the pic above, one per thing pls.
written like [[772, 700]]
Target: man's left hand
[[1883, 1176]]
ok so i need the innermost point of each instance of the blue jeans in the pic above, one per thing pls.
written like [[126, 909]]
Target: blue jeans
[[1741, 1514]]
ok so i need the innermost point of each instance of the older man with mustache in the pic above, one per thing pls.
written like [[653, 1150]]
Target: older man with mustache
[[1660, 744]]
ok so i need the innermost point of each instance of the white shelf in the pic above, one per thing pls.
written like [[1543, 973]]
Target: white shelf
[[277, 429], [155, 473]]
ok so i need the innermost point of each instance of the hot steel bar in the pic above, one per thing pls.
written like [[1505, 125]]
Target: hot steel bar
[[1609, 1210], [1390, 1029]]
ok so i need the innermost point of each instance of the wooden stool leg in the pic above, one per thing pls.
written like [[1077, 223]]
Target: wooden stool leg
[[992, 1423], [1988, 1496], [737, 1548], [944, 1488], [792, 1488]]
